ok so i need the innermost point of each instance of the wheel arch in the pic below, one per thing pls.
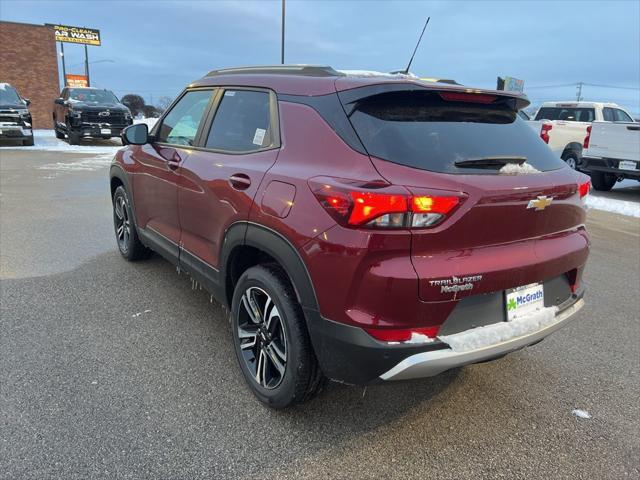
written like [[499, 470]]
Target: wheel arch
[[247, 244], [573, 147]]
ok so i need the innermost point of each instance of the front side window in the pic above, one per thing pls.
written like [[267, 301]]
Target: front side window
[[181, 124], [621, 116], [242, 122]]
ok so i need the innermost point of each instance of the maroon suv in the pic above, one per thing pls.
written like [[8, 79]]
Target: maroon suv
[[361, 228]]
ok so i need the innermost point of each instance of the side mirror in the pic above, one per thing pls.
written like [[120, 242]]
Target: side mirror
[[137, 134], [27, 101], [59, 101]]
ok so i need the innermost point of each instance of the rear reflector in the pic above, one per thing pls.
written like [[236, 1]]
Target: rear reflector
[[467, 97], [403, 334]]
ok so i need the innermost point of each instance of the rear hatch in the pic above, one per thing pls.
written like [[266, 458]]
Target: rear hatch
[[520, 216]]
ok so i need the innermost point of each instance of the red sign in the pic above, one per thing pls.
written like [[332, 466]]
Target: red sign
[[77, 80]]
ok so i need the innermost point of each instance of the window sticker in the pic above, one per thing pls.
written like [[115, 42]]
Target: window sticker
[[258, 138], [229, 93]]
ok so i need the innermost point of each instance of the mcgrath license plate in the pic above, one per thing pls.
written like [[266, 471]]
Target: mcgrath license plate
[[627, 165], [524, 300], [105, 131]]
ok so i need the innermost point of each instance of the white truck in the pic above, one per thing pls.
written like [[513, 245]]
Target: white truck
[[563, 125], [611, 153]]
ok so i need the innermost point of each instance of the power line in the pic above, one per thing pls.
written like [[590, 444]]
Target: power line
[[575, 84]]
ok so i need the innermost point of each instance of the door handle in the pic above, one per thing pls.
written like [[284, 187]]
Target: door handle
[[240, 181]]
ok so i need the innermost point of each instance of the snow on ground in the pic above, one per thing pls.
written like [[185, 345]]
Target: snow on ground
[[95, 162], [46, 140], [622, 207]]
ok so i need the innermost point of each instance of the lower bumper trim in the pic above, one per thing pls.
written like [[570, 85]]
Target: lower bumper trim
[[428, 364]]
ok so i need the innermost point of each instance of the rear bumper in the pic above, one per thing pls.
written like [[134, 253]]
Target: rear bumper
[[348, 354], [607, 165], [428, 364]]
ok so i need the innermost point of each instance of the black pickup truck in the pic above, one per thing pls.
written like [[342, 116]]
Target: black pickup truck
[[89, 112], [15, 118]]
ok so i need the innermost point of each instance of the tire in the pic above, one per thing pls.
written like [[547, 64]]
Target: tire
[[129, 243], [572, 160], [602, 181], [28, 142], [279, 336], [74, 138], [59, 134]]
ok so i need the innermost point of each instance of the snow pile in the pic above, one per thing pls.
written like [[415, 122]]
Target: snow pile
[[623, 207], [149, 121], [488, 335], [515, 169], [46, 140], [84, 164]]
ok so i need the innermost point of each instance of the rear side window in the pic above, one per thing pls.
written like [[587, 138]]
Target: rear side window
[[421, 130], [607, 114], [242, 122], [181, 124], [569, 114]]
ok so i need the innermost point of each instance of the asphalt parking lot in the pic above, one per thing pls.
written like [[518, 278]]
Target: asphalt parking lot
[[116, 370]]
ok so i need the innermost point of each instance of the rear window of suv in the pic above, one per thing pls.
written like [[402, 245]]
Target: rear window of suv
[[570, 114], [421, 130]]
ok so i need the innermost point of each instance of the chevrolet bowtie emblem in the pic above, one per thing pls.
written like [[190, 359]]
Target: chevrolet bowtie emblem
[[540, 203]]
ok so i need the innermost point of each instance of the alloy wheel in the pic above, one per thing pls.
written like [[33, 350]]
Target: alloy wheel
[[263, 341], [571, 161], [123, 224]]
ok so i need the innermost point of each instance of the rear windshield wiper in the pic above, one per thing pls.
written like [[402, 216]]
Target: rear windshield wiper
[[490, 162]]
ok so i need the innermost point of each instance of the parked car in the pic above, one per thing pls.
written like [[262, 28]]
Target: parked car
[[89, 112], [612, 153], [362, 228], [15, 118], [563, 125]]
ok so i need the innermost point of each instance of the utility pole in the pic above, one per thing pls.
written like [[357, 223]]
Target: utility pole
[[579, 92], [282, 39], [64, 68]]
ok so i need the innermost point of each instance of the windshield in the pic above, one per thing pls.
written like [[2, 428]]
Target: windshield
[[89, 95], [421, 130], [569, 114], [9, 96]]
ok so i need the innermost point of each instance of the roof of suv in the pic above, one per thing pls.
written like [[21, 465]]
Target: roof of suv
[[312, 80]]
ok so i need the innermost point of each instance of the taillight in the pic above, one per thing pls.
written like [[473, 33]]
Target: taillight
[[585, 144], [373, 205], [413, 335], [584, 188], [544, 132]]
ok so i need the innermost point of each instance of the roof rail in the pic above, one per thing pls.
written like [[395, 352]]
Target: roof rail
[[305, 70]]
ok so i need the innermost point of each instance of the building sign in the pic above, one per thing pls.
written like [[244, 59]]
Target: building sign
[[511, 84], [77, 80], [87, 36]]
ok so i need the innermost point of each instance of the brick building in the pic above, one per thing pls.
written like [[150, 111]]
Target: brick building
[[29, 62]]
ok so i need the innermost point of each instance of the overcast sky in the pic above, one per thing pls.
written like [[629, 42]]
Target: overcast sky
[[156, 47]]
